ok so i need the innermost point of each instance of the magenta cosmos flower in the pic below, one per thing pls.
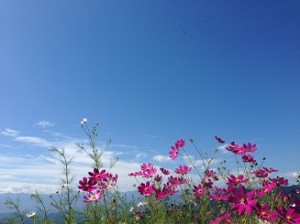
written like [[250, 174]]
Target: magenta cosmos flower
[[199, 190], [236, 149], [183, 169], [250, 147], [180, 143], [248, 158], [164, 171], [148, 170], [237, 180], [289, 216], [174, 152], [138, 173], [241, 201], [221, 141], [92, 197], [98, 176], [222, 219], [265, 214], [111, 180], [87, 184], [146, 189]]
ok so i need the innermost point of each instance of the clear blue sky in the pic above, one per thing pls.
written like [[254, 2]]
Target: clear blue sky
[[149, 72]]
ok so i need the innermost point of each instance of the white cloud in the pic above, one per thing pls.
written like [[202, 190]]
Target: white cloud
[[140, 155], [223, 149], [44, 124], [161, 158], [34, 140], [23, 187], [27, 173], [9, 132], [191, 160]]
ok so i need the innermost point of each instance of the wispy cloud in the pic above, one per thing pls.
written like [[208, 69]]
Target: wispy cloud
[[161, 158], [9, 132], [37, 141], [25, 173], [140, 155], [44, 124]]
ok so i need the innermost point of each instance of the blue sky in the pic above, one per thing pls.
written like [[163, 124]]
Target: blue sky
[[150, 72]]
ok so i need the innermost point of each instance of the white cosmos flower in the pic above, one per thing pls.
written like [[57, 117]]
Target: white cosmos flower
[[141, 204], [31, 214], [84, 121]]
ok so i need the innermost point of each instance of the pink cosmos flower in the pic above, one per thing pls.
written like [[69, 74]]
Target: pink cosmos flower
[[148, 170], [288, 216], [87, 184], [183, 169], [222, 219], [158, 178], [180, 143], [146, 189], [207, 182], [92, 197], [236, 149], [265, 214], [174, 152], [111, 180], [285, 197], [220, 195], [139, 173], [164, 171], [98, 176], [267, 188], [264, 172], [159, 194], [175, 181], [219, 140], [237, 180], [248, 158], [280, 181], [250, 147], [241, 201], [166, 191], [199, 190], [169, 190], [211, 174]]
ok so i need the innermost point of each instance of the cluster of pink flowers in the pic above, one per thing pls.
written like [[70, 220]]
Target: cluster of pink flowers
[[96, 184], [252, 201], [238, 192], [153, 184], [241, 200]]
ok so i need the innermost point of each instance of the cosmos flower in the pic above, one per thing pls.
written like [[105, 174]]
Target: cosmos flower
[[98, 176], [241, 201], [183, 169], [87, 184], [148, 170], [83, 121], [199, 190], [219, 140], [146, 189], [31, 214], [174, 152], [288, 215], [92, 197], [237, 180], [164, 171], [180, 143]]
